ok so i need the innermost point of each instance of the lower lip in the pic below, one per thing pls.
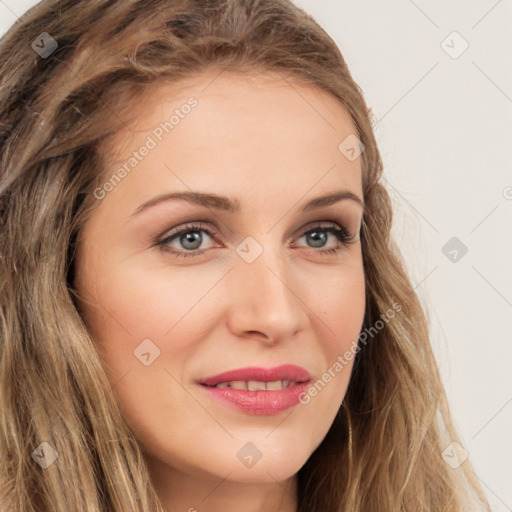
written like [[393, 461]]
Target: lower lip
[[259, 402]]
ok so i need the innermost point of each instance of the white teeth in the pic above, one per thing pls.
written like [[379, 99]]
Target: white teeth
[[275, 385], [255, 385], [238, 384]]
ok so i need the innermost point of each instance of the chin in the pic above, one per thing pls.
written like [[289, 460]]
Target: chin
[[274, 465], [263, 473]]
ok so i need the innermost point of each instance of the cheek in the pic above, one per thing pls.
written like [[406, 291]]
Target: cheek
[[132, 311], [339, 300], [341, 303], [137, 301]]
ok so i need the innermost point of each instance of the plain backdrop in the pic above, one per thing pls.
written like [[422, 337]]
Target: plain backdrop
[[438, 77]]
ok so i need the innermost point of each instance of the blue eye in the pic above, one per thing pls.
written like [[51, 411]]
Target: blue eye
[[320, 234], [190, 238]]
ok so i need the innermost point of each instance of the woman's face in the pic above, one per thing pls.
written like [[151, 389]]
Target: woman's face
[[251, 285]]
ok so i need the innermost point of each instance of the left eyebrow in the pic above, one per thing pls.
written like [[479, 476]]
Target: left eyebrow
[[233, 205], [334, 197]]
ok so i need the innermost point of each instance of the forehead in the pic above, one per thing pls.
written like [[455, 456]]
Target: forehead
[[244, 130]]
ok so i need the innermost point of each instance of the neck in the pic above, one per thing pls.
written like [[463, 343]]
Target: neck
[[180, 491]]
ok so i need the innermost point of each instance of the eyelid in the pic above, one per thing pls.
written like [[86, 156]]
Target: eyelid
[[326, 222], [185, 227]]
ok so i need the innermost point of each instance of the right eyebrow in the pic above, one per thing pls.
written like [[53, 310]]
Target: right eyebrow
[[200, 198]]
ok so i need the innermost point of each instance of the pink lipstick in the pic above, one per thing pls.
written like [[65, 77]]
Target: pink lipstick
[[259, 391]]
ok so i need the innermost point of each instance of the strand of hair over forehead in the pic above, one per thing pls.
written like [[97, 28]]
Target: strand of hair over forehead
[[104, 49]]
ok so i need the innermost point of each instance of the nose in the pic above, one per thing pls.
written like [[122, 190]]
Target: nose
[[266, 301]]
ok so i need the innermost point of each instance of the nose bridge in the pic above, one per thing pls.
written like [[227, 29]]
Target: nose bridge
[[265, 300]]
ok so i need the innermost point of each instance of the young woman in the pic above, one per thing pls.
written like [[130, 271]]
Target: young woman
[[201, 305]]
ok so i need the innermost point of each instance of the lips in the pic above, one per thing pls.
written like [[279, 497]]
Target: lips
[[288, 373], [258, 391]]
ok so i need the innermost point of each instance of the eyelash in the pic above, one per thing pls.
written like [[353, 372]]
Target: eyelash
[[339, 232]]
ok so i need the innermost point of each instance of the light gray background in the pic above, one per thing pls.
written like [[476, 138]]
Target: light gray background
[[444, 128]]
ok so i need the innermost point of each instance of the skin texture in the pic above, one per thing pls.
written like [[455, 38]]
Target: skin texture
[[273, 146]]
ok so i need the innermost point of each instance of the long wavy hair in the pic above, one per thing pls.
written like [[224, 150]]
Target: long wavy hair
[[383, 452]]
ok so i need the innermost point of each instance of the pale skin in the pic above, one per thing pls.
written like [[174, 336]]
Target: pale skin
[[273, 147]]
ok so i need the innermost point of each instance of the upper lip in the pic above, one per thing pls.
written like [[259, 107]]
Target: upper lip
[[285, 371]]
